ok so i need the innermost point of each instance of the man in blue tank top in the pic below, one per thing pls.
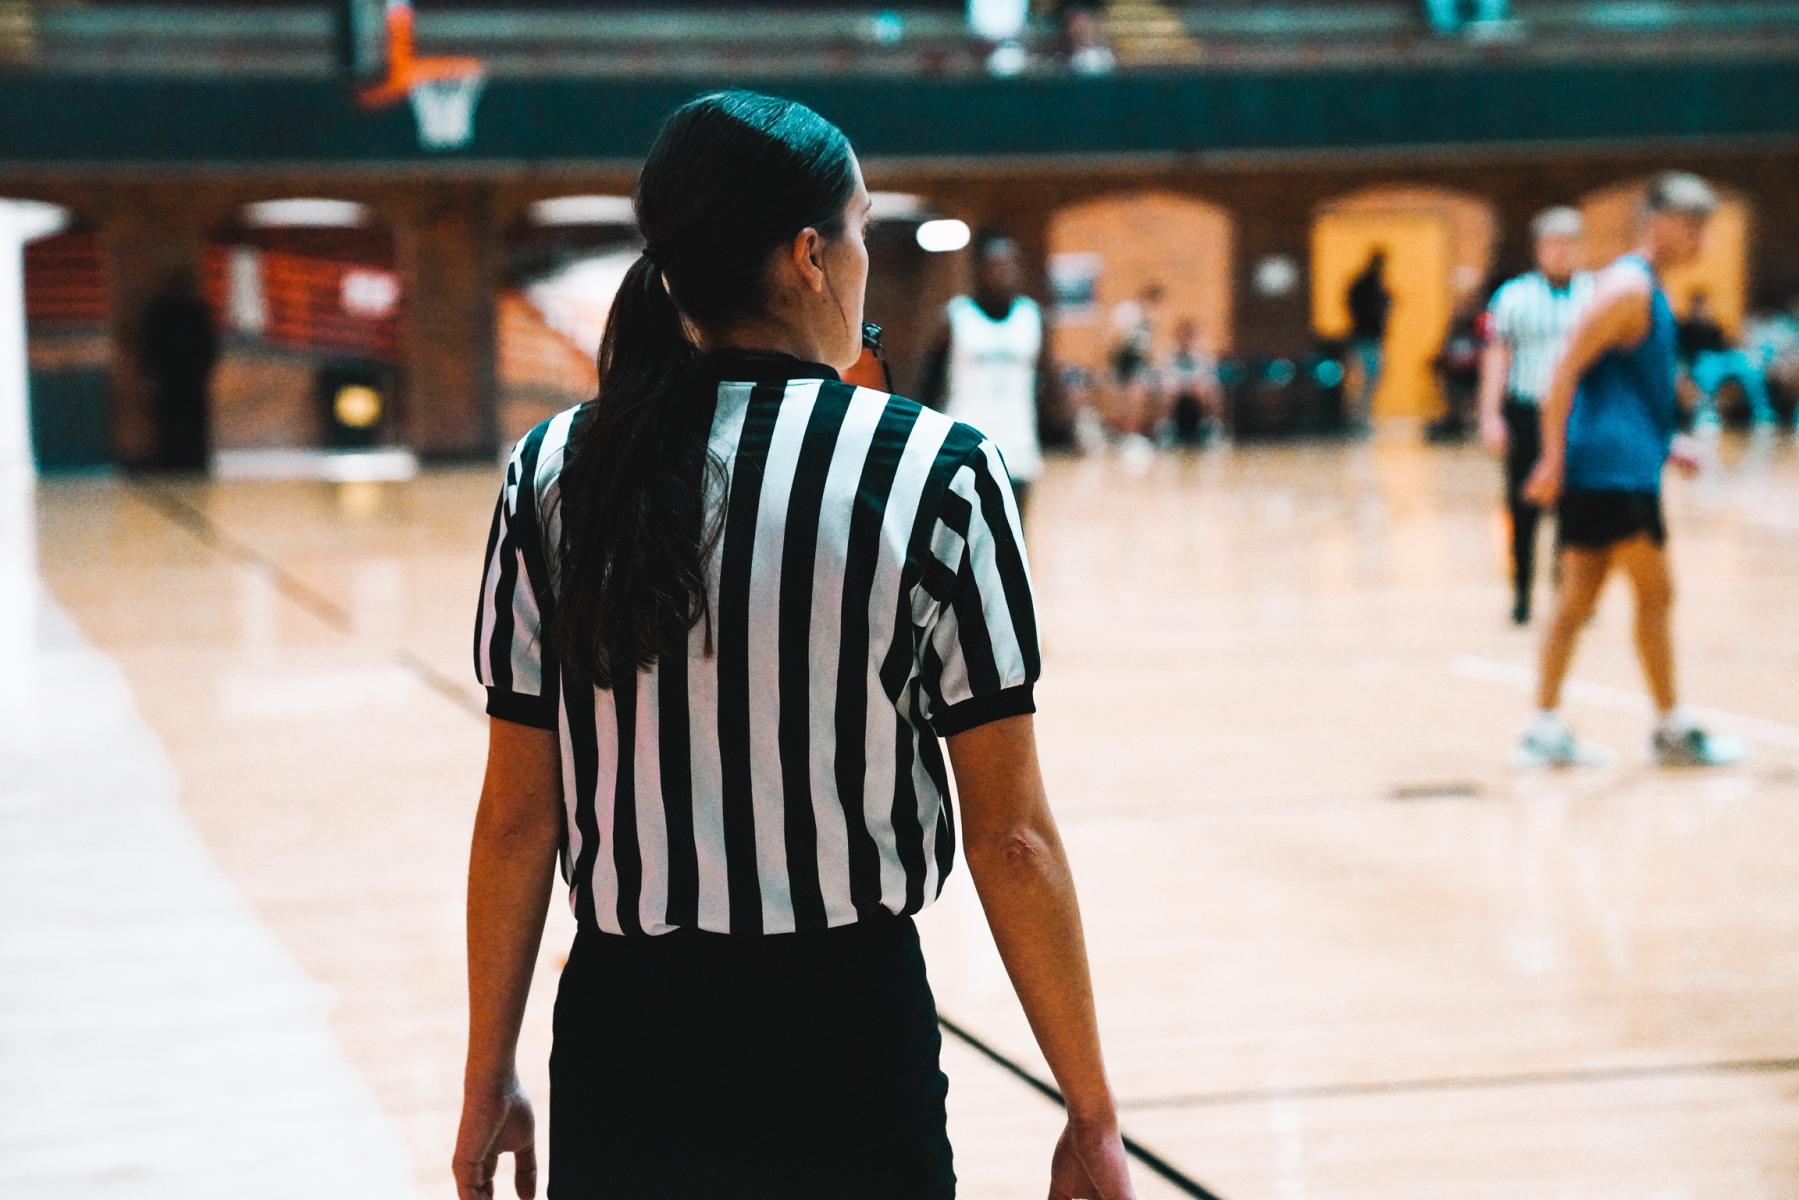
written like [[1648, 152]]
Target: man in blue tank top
[[1609, 422]]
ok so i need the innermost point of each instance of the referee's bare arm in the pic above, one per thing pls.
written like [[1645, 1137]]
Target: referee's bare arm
[[1495, 369], [1015, 856], [512, 865]]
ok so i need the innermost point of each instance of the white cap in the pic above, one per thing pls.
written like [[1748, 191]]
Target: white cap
[[1680, 192], [1560, 221]]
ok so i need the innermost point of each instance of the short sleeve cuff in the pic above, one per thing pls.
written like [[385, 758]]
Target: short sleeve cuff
[[536, 711], [984, 710]]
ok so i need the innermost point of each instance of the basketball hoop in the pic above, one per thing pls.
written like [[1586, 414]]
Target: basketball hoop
[[443, 91], [444, 106]]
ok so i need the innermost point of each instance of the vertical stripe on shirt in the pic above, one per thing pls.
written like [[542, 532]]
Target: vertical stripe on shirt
[[652, 821], [674, 750], [862, 567], [577, 730], [773, 822], [627, 866], [712, 900], [826, 654], [898, 668], [736, 558], [799, 578]]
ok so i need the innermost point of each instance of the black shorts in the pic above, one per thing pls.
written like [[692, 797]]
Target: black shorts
[[697, 1066], [1598, 520]]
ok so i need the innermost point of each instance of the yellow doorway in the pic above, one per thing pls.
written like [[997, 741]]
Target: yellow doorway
[[1418, 275]]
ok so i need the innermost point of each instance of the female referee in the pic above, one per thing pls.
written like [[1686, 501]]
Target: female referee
[[730, 606]]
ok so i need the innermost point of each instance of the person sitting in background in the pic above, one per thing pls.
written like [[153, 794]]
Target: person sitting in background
[[1771, 342], [1458, 370], [1084, 41], [1710, 361], [1083, 396], [1139, 406], [1453, 16], [1193, 382]]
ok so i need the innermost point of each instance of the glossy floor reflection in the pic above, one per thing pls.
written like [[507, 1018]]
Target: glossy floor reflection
[[1343, 948]]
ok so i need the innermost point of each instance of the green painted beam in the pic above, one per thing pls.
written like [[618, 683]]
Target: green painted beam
[[245, 122]]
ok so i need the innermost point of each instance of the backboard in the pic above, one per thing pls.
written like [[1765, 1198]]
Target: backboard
[[363, 48]]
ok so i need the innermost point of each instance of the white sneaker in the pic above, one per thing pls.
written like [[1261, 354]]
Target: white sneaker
[[1694, 747], [1553, 744], [1138, 452]]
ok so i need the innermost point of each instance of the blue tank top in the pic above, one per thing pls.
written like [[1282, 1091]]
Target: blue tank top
[[1625, 407]]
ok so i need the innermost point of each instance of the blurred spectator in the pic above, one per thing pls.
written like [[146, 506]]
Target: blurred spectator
[[178, 348], [1370, 303], [1138, 407], [1084, 41], [1001, 22], [1082, 394], [1453, 16], [1771, 340], [1711, 361], [1193, 381], [1458, 370]]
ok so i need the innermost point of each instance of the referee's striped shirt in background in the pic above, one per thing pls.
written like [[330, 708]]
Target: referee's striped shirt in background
[[869, 594], [1533, 316]]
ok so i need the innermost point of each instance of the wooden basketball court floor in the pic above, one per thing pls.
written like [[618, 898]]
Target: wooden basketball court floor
[[1343, 949]]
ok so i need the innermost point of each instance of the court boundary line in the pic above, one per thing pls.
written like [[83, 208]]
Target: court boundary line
[[1136, 1149], [194, 521], [1470, 1083]]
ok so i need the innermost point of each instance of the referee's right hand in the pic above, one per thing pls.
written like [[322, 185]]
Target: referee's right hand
[[1090, 1164], [493, 1124]]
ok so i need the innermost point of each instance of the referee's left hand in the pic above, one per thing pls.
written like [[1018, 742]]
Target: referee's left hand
[[493, 1124]]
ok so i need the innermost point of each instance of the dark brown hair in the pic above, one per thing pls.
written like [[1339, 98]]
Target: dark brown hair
[[732, 175]]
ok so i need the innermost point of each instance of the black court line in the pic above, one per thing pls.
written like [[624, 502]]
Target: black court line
[[1136, 1149], [195, 521], [1469, 1083], [1448, 790]]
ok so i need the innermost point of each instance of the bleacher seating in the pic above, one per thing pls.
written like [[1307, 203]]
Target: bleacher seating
[[766, 37]]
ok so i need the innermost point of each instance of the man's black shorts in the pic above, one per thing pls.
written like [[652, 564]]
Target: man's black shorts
[[1599, 520]]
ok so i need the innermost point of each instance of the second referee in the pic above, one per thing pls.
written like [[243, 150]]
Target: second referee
[[1531, 316]]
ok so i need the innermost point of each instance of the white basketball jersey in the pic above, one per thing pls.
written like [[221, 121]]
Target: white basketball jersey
[[993, 378]]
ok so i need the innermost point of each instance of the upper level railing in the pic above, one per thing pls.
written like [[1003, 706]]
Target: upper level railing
[[916, 37]]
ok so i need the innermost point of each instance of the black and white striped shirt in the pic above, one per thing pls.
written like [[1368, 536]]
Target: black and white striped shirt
[[869, 595], [1534, 317]]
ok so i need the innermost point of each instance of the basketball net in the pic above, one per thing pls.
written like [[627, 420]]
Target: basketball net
[[443, 91]]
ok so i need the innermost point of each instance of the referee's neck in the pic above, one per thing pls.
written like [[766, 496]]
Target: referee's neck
[[765, 337]]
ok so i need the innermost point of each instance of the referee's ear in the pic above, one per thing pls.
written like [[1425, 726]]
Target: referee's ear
[[806, 256]]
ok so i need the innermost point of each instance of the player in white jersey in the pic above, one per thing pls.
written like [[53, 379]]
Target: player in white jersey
[[1531, 316], [984, 368]]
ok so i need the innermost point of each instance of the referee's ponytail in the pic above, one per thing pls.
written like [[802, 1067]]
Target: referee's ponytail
[[731, 176]]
